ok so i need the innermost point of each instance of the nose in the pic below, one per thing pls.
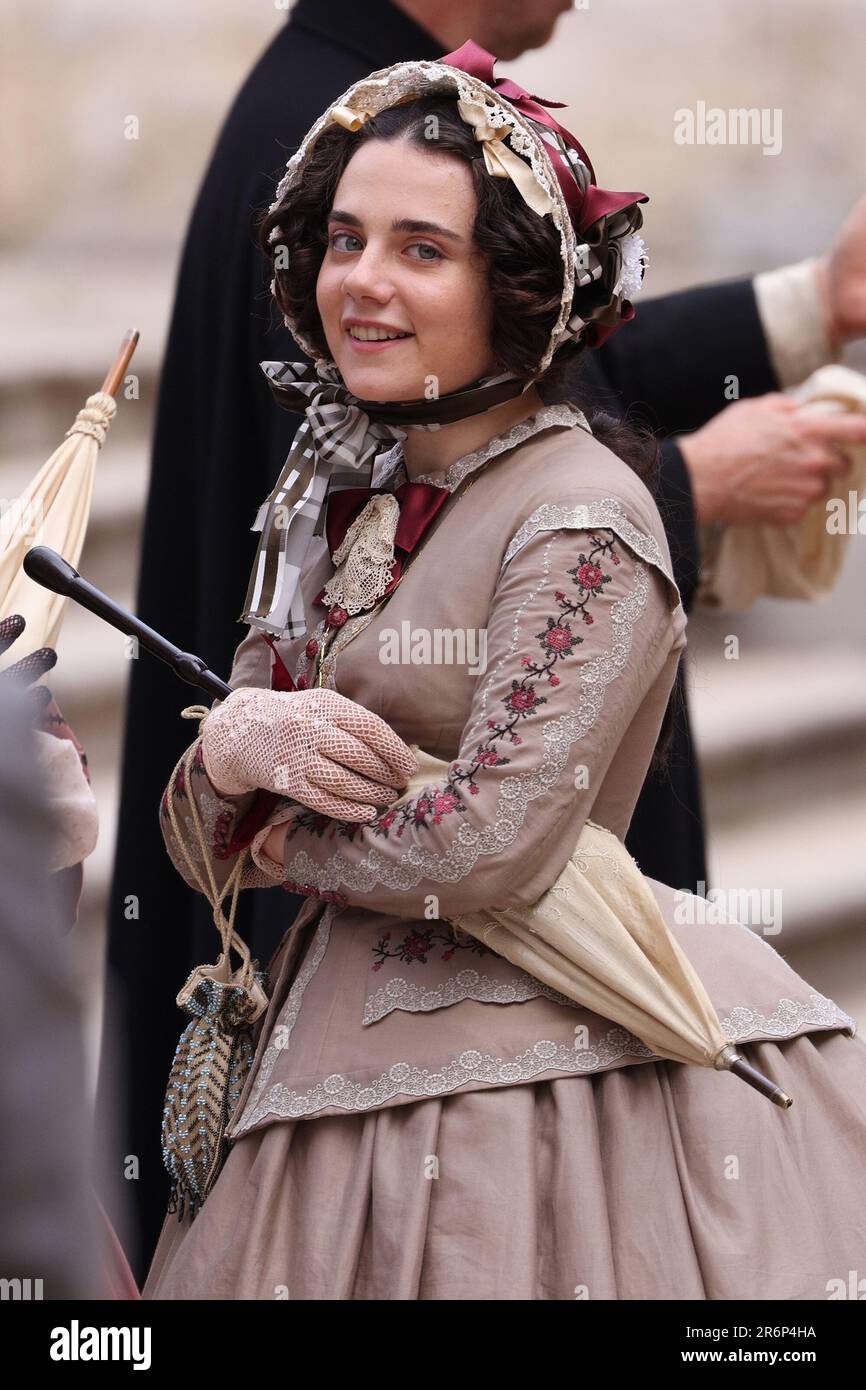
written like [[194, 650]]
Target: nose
[[367, 277]]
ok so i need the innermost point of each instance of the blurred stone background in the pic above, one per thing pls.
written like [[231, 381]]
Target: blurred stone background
[[89, 245]]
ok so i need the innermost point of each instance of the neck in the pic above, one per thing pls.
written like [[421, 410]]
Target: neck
[[451, 21], [433, 451]]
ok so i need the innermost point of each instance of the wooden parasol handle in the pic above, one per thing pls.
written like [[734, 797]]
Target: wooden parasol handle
[[121, 362]]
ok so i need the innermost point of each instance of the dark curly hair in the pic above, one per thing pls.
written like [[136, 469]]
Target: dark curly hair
[[526, 289]]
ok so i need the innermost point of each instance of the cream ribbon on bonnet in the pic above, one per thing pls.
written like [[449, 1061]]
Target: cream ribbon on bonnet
[[499, 160]]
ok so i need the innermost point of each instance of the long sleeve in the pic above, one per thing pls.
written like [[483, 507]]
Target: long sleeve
[[579, 629], [670, 364]]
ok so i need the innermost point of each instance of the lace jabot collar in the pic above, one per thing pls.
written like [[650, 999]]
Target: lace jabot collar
[[389, 468]]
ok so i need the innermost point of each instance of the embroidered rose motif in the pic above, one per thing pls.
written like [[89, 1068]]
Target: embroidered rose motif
[[310, 892], [556, 643], [221, 833], [558, 637], [589, 576], [521, 700], [444, 802], [417, 946]]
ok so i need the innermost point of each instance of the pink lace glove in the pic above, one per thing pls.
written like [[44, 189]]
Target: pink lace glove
[[313, 746]]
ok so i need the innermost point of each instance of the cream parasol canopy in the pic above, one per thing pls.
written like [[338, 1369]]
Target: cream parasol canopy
[[54, 510]]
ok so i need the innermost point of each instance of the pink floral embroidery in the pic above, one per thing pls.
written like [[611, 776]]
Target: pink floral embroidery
[[417, 945], [557, 642], [308, 891], [223, 823]]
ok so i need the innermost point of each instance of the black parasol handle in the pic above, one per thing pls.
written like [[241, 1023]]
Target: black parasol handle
[[50, 570]]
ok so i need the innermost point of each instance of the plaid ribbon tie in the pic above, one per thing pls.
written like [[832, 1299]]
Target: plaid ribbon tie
[[334, 448]]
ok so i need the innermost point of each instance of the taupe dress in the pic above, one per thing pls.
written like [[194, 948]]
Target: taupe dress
[[424, 1120]]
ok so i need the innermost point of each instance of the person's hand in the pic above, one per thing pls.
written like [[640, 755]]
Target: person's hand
[[313, 746], [24, 673], [841, 277], [766, 460]]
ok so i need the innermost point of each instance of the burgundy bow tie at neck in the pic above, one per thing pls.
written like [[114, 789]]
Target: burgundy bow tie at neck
[[419, 504]]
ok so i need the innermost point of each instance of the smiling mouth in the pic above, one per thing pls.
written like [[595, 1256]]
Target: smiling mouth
[[368, 337]]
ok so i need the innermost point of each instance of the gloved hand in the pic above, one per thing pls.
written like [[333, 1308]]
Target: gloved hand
[[314, 746], [25, 672], [62, 763]]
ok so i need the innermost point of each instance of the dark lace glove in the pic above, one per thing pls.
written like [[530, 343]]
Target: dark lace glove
[[24, 672]]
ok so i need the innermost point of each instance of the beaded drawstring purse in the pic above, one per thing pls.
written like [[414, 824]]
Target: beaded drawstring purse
[[215, 1052]]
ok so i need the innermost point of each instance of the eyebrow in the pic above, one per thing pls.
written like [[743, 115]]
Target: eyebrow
[[400, 224]]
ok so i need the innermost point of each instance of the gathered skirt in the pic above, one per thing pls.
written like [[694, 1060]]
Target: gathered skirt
[[649, 1181]]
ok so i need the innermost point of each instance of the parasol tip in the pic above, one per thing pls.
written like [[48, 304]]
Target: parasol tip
[[121, 361], [729, 1059]]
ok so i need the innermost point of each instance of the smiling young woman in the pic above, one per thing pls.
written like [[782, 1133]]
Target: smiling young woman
[[399, 223], [422, 1119]]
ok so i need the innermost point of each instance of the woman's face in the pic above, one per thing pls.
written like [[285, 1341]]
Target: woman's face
[[429, 284]]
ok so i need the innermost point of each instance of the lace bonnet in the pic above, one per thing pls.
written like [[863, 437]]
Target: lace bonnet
[[521, 140]]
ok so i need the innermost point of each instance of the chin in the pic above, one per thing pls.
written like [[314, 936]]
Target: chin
[[378, 385]]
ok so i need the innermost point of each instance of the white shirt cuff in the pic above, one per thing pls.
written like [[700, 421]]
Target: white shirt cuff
[[791, 313]]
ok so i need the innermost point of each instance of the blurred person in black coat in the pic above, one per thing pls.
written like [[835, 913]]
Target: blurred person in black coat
[[220, 442], [48, 1222]]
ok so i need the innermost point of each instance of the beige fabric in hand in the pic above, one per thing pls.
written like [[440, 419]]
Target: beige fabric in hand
[[313, 746], [742, 563]]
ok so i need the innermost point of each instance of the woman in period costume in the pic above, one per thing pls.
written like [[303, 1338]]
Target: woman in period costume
[[490, 586]]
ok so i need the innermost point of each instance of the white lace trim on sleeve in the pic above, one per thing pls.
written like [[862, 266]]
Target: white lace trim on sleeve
[[606, 513]]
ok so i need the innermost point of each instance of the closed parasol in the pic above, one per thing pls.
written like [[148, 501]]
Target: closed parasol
[[57, 504], [599, 937]]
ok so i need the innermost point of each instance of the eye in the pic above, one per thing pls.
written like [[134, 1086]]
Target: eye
[[427, 246], [333, 237], [420, 245]]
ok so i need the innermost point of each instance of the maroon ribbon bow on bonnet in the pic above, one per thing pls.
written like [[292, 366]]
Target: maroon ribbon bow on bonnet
[[587, 203], [585, 207]]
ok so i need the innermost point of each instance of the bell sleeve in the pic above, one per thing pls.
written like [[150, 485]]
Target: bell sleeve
[[579, 629]]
